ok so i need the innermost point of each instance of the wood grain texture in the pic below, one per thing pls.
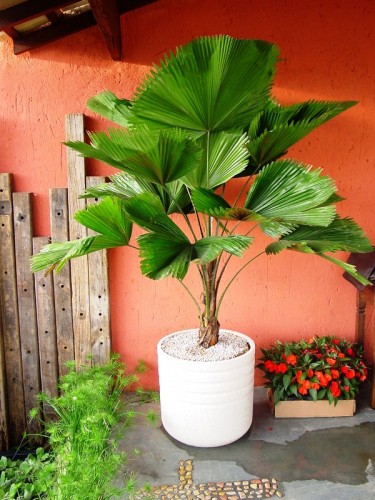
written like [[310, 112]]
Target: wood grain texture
[[9, 315], [99, 296], [4, 424], [46, 321], [22, 217], [79, 267], [59, 217]]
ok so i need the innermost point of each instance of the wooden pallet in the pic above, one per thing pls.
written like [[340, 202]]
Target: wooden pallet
[[46, 320]]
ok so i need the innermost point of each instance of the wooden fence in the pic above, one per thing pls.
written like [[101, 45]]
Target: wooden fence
[[46, 320]]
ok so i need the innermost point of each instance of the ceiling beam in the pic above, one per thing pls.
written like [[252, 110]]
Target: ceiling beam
[[61, 28], [28, 10], [107, 16]]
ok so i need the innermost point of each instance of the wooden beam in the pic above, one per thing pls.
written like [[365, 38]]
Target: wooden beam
[[65, 26], [60, 29], [107, 16], [28, 10]]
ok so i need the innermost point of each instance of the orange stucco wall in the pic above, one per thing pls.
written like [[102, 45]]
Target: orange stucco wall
[[327, 53]]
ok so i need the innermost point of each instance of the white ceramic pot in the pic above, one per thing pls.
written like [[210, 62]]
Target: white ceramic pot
[[207, 403]]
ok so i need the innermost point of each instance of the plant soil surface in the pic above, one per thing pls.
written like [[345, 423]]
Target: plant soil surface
[[184, 345]]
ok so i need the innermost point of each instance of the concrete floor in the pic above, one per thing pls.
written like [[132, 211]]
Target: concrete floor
[[312, 459]]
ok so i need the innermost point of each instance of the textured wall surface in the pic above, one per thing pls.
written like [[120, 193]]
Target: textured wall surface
[[327, 53]]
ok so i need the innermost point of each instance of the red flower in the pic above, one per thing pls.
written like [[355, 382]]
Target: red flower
[[350, 374], [304, 387], [291, 359], [335, 389], [328, 377], [282, 368], [315, 385], [336, 341], [350, 352], [344, 369], [335, 373], [330, 361], [270, 366], [310, 373], [346, 388]]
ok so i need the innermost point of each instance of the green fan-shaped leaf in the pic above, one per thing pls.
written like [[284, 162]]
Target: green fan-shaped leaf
[[56, 255], [210, 203], [159, 157], [147, 211], [277, 128], [107, 104], [291, 193], [174, 195], [207, 249], [164, 256], [213, 83], [224, 156], [342, 234], [107, 218]]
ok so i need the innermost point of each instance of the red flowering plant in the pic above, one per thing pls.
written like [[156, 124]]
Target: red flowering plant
[[321, 368]]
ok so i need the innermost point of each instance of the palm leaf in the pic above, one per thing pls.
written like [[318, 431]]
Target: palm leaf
[[277, 128], [107, 218], [341, 234], [164, 256], [174, 195], [213, 83], [108, 105], [207, 249], [147, 211], [55, 255], [224, 156], [291, 193], [158, 157]]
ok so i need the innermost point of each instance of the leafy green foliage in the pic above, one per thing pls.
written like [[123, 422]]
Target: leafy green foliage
[[29, 478], [202, 118], [83, 457]]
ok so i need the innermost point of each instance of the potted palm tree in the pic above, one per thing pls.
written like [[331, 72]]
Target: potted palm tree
[[204, 117]]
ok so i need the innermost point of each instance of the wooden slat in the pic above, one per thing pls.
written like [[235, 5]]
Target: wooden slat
[[46, 325], [79, 267], [107, 16], [4, 425], [9, 314], [22, 213], [62, 285], [99, 296]]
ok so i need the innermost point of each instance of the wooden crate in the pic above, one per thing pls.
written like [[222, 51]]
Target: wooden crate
[[311, 409]]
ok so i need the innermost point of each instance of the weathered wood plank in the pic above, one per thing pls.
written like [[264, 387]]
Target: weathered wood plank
[[4, 425], [99, 296], [22, 220], [79, 267], [46, 325], [62, 284], [9, 315]]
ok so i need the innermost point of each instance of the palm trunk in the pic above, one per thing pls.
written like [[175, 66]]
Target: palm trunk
[[209, 326]]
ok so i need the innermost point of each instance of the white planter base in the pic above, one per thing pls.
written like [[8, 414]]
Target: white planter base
[[207, 404]]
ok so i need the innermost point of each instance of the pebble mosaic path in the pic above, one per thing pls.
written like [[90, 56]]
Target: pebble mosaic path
[[186, 489]]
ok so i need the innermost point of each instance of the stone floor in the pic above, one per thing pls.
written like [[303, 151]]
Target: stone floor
[[300, 459]]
